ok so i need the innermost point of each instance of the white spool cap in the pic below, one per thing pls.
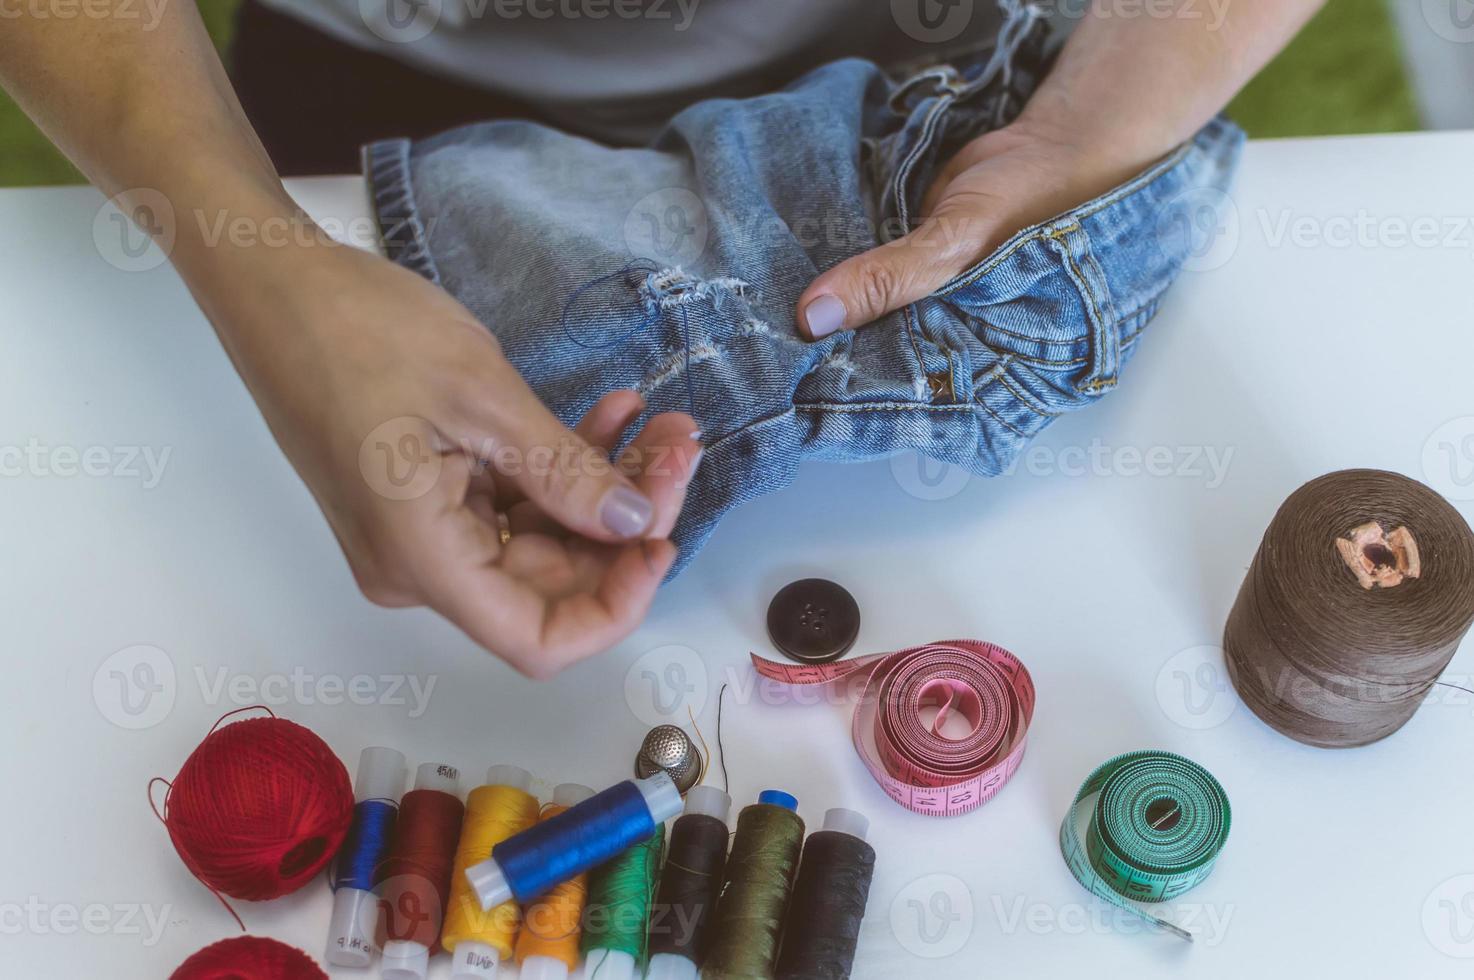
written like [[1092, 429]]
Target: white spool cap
[[661, 796], [708, 801], [846, 822], [669, 966], [543, 968], [609, 964], [571, 794], [512, 776], [381, 774], [352, 927], [474, 961], [404, 961], [438, 777]]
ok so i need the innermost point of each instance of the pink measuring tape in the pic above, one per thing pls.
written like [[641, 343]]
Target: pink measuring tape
[[919, 767]]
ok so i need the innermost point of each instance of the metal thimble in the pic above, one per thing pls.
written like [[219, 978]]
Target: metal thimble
[[667, 747]]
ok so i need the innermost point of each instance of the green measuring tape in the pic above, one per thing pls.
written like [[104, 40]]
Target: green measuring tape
[[1157, 827]]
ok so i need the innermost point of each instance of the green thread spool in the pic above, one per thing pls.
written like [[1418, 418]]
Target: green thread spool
[[617, 916], [1155, 832], [755, 890]]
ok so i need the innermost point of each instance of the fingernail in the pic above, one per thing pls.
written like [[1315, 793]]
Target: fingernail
[[626, 512], [824, 316]]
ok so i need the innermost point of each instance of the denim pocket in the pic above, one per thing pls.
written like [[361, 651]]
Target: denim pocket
[[1062, 302]]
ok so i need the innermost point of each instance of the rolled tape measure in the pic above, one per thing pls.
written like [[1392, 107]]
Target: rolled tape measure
[[918, 766], [1156, 830]]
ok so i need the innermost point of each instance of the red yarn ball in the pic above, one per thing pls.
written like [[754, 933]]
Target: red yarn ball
[[249, 958], [259, 808]]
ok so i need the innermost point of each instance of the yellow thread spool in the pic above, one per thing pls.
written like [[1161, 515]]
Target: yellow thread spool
[[479, 940], [547, 946]]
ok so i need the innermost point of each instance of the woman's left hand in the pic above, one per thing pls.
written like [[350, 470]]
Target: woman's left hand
[[1000, 183]]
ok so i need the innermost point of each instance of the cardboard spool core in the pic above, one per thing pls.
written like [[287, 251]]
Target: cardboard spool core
[[1378, 558]]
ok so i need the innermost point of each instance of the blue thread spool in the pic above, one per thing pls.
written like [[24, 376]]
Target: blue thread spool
[[376, 790], [550, 853]]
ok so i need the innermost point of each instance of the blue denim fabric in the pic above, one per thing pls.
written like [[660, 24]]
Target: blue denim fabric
[[548, 240]]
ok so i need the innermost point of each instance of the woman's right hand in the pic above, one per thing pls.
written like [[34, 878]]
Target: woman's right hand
[[421, 444]]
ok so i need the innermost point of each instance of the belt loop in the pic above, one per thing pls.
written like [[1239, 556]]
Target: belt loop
[[1073, 245]]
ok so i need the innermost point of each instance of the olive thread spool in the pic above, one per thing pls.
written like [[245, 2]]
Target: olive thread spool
[[414, 880], [689, 886], [756, 885], [821, 929], [547, 946], [377, 786], [479, 939]]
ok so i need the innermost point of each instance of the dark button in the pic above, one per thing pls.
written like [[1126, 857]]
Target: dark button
[[813, 621]]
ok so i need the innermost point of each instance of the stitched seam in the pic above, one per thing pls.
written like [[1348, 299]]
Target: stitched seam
[[1029, 400], [1090, 209], [898, 188]]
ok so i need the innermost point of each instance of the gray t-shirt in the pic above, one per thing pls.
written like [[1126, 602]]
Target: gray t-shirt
[[618, 67]]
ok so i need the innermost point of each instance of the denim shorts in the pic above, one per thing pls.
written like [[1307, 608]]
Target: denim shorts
[[675, 268]]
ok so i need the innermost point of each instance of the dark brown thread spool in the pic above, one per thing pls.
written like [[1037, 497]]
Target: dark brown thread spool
[[1357, 600]]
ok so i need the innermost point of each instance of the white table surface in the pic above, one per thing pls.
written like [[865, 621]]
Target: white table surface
[[1298, 354]]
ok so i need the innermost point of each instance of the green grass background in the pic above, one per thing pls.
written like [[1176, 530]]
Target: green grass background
[[1344, 74]]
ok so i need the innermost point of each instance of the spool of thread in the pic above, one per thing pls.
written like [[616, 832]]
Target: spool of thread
[[756, 884], [249, 958], [353, 931], [616, 920], [689, 886], [529, 864], [822, 927], [1358, 599], [413, 882], [547, 946], [258, 808], [480, 940]]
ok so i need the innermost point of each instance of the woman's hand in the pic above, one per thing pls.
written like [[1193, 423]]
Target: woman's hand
[[1124, 92], [1007, 180], [422, 445]]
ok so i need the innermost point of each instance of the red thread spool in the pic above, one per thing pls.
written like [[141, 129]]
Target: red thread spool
[[259, 808], [249, 958], [414, 880]]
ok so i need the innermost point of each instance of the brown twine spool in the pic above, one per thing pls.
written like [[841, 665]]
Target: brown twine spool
[[1356, 602]]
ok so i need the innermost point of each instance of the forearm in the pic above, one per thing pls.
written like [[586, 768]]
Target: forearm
[[139, 99], [1137, 85]]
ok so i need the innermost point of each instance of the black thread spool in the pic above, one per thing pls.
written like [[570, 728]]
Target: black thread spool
[[689, 885], [822, 927]]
